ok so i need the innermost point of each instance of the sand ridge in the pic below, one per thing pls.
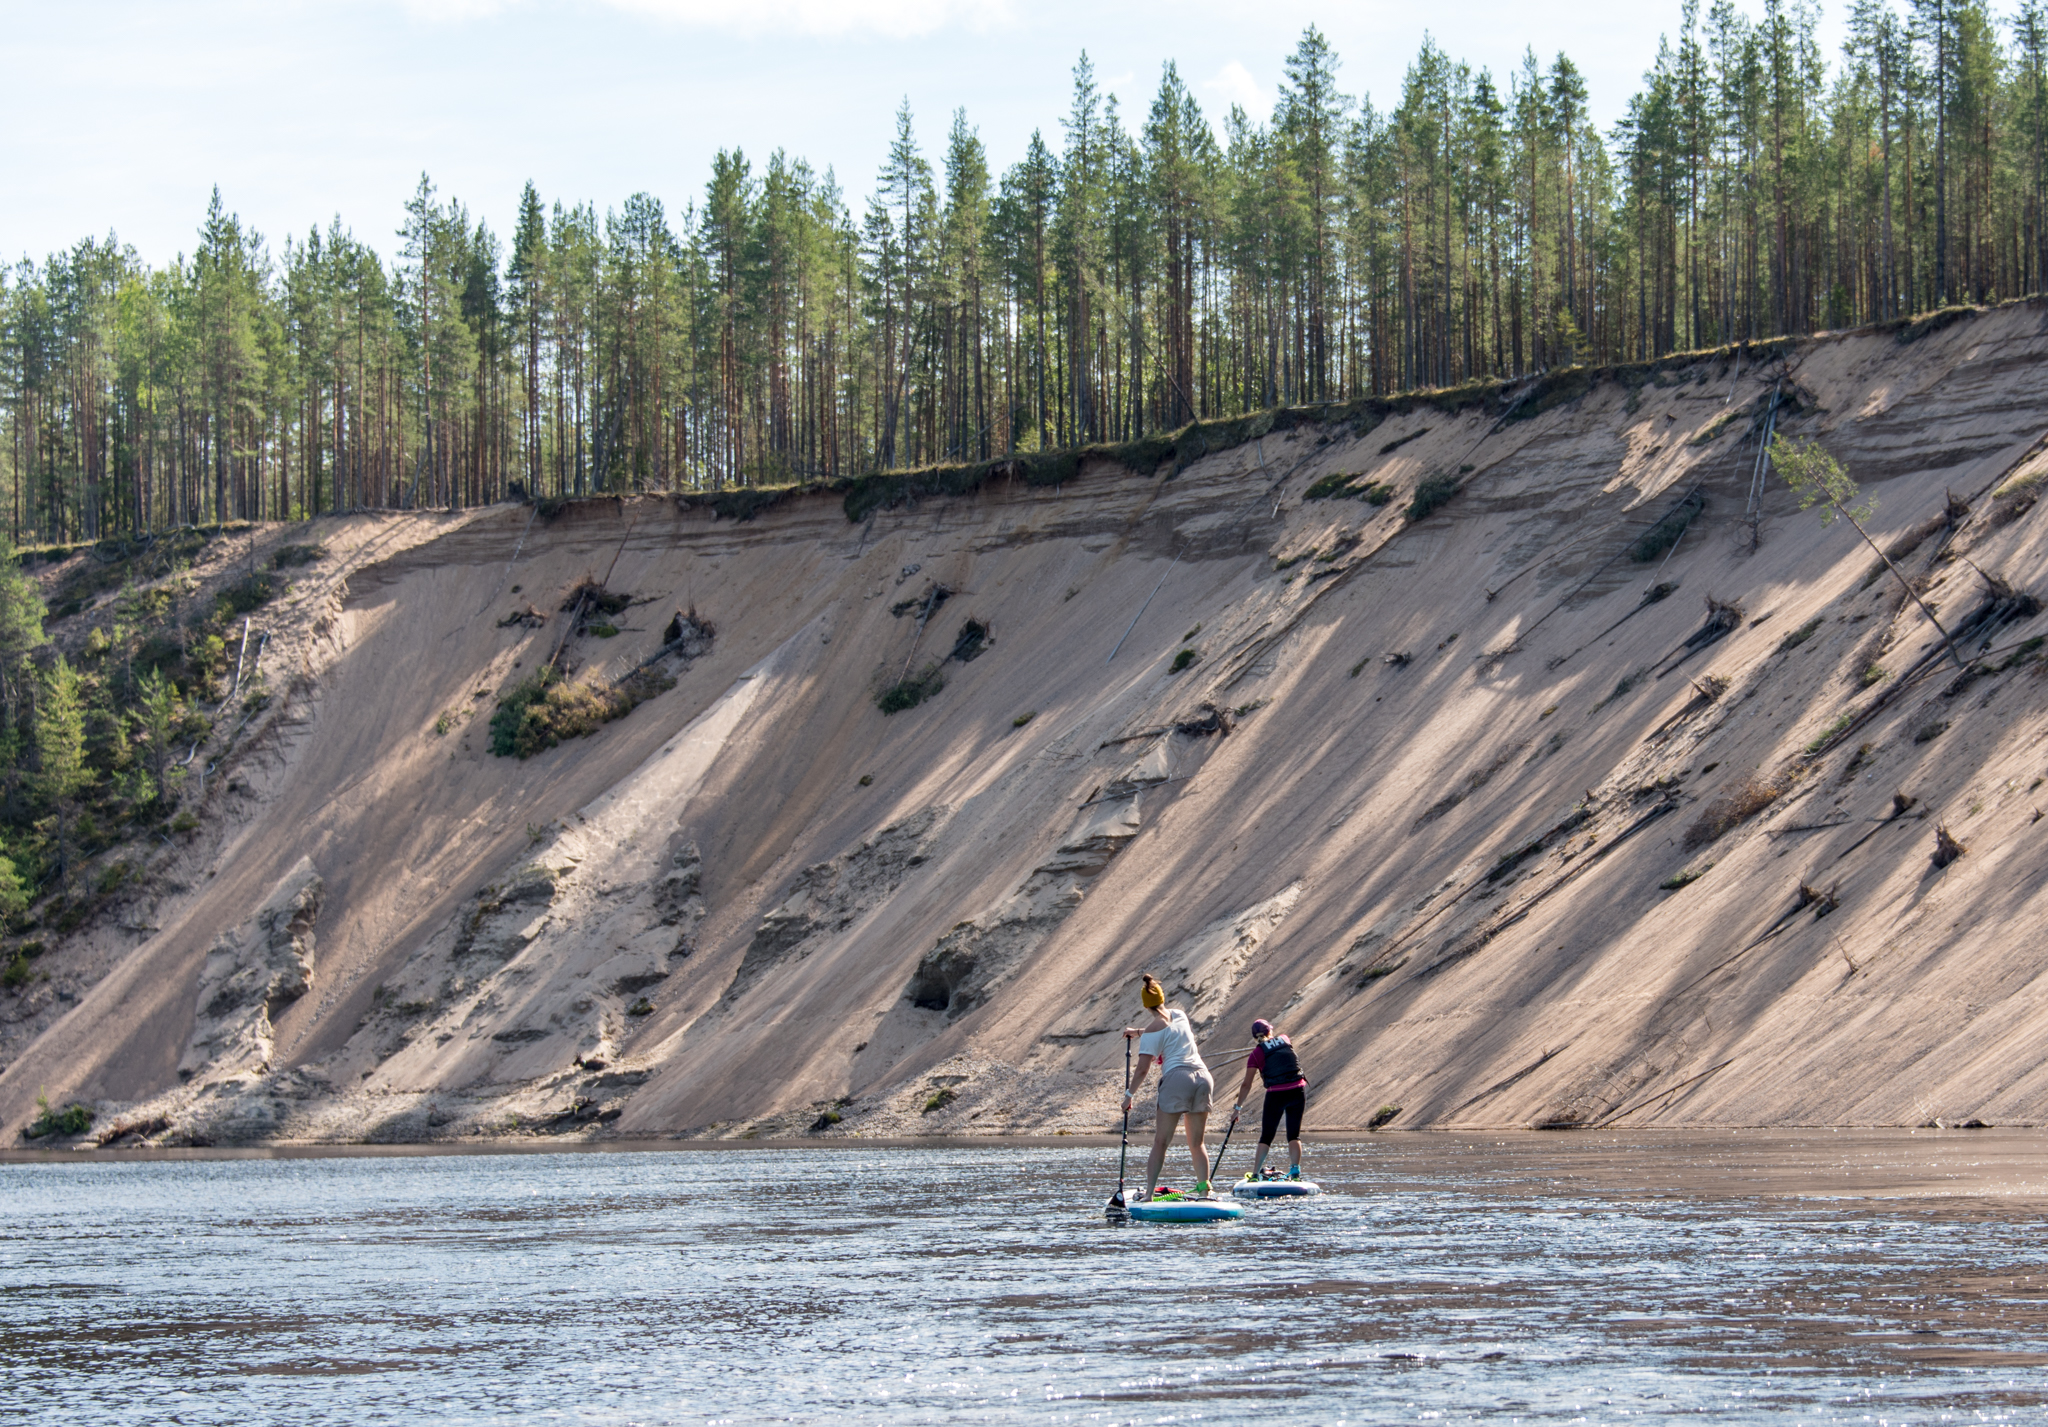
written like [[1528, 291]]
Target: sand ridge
[[1436, 794]]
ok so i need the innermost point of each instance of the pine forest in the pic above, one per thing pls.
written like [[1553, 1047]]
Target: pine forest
[[1136, 273]]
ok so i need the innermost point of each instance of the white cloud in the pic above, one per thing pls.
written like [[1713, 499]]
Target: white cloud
[[1234, 84], [897, 19], [452, 11]]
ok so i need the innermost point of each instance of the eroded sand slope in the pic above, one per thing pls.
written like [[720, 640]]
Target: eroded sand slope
[[1420, 797]]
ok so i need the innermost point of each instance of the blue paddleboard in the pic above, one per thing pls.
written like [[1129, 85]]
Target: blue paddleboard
[[1185, 1211]]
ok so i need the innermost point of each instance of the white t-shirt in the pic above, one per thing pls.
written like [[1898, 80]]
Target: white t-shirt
[[1174, 1046]]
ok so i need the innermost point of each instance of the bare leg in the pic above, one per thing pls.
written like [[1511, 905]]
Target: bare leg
[[1259, 1164], [1162, 1136], [1198, 1125], [1294, 1152]]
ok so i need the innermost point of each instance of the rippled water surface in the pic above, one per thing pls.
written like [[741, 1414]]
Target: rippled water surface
[[982, 1284]]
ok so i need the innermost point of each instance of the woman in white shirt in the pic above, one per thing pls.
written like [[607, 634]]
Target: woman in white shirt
[[1185, 1086]]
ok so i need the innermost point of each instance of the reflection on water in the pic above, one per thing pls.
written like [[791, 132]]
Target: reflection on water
[[976, 1284]]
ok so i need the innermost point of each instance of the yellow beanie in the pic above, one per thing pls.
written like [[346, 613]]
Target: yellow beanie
[[1154, 995]]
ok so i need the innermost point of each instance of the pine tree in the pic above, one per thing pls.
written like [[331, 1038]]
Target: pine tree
[[1311, 116], [157, 716], [527, 276], [61, 772], [14, 891]]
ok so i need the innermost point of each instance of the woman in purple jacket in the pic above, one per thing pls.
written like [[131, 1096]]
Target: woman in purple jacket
[[1273, 1060]]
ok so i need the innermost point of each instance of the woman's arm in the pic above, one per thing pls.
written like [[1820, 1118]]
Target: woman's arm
[[1244, 1088], [1144, 1064], [1158, 1023]]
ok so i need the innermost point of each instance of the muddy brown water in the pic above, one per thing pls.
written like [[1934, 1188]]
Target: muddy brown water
[[1823, 1277]]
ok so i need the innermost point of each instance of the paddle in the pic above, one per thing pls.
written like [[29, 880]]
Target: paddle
[[1116, 1200], [1216, 1169]]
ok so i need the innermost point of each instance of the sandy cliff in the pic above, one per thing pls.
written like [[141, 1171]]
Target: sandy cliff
[[1507, 826]]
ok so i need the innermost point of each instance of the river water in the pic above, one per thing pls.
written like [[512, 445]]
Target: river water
[[975, 1284]]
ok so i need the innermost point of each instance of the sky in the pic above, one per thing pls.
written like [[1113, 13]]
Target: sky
[[121, 116]]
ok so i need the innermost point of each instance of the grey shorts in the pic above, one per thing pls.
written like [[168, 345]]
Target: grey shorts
[[1185, 1090]]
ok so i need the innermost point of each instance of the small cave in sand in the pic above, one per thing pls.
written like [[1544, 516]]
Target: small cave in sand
[[972, 642], [688, 634], [939, 975], [924, 606], [593, 608]]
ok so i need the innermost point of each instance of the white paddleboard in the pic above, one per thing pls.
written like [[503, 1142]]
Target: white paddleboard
[[1275, 1188]]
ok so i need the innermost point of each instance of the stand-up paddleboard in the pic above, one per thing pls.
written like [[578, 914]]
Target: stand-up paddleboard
[[1275, 1188], [1185, 1211]]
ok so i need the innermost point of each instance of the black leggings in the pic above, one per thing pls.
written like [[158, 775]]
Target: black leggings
[[1283, 1103]]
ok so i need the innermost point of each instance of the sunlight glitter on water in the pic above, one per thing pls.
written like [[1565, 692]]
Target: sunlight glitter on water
[[971, 1285]]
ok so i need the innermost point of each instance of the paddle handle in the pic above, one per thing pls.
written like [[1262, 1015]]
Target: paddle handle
[[1124, 1146], [1216, 1169]]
